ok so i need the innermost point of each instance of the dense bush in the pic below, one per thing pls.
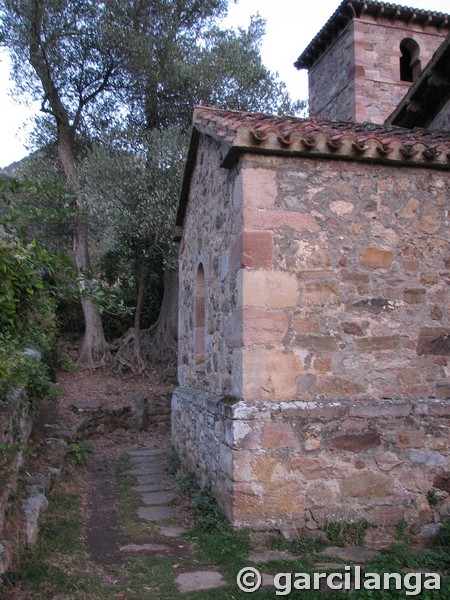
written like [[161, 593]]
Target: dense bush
[[27, 303]]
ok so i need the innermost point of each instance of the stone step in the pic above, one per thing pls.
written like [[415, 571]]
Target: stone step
[[156, 513], [172, 531], [154, 478], [147, 470], [149, 452], [158, 498], [357, 554], [163, 486], [151, 460]]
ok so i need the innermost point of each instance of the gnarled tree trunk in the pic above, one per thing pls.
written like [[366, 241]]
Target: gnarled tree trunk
[[94, 350]]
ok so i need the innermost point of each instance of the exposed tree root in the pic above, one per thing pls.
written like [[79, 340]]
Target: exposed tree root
[[157, 347], [126, 358]]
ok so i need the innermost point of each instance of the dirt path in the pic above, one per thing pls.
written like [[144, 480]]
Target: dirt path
[[117, 528], [103, 534]]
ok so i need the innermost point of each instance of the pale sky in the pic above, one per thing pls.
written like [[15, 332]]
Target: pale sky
[[290, 26]]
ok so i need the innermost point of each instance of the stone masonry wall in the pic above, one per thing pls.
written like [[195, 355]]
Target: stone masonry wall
[[347, 292], [358, 77], [333, 97], [15, 429], [301, 465], [378, 88], [323, 394], [213, 225], [345, 346]]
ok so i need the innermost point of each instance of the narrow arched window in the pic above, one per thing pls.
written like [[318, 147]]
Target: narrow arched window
[[409, 60], [200, 316]]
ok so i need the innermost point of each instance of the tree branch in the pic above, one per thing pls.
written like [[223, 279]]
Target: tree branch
[[41, 65], [101, 88]]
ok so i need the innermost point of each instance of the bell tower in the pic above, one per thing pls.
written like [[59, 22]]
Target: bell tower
[[365, 58]]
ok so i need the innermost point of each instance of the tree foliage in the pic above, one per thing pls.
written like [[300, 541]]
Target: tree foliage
[[194, 62], [119, 80], [59, 53], [27, 301]]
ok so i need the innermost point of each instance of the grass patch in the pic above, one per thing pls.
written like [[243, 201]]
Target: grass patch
[[347, 534], [61, 530], [149, 579], [59, 564], [216, 542], [305, 548]]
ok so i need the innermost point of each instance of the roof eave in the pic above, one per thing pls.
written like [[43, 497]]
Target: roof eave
[[186, 184]]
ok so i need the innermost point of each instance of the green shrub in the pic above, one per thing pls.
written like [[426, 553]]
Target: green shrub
[[27, 305], [174, 463], [206, 511], [80, 452], [442, 538], [188, 485], [431, 497]]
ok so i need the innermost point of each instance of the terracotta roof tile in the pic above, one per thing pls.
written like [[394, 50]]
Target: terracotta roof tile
[[268, 133], [238, 131]]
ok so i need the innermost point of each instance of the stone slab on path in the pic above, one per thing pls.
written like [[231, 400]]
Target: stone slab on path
[[197, 581], [147, 470], [264, 556], [149, 479], [172, 531], [144, 548], [156, 513], [148, 452], [162, 486], [267, 580], [159, 498], [329, 566], [357, 554]]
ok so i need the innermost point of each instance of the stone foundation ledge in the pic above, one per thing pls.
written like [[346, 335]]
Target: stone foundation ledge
[[234, 408], [297, 466], [367, 409]]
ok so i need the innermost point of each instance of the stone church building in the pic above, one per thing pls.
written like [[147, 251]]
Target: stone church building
[[314, 297]]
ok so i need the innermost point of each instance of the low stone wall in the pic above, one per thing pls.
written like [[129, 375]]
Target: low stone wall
[[136, 413], [23, 497], [298, 466], [15, 429]]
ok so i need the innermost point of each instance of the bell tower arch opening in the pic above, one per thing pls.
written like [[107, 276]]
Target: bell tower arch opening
[[410, 66]]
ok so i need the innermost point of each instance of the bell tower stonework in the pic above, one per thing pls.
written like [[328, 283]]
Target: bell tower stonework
[[366, 57]]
